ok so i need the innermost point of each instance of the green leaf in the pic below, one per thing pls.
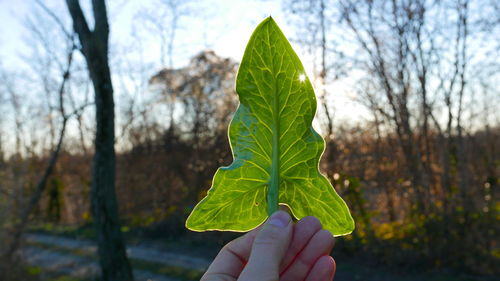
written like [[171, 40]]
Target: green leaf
[[276, 151]]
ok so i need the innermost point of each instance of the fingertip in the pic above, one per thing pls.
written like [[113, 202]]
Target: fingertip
[[331, 264], [334, 266], [310, 222], [317, 247], [326, 236], [304, 230], [280, 219], [327, 232], [269, 248], [323, 269]]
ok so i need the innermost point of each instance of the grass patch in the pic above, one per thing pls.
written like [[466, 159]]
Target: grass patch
[[86, 231]]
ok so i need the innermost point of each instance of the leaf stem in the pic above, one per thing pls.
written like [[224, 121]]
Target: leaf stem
[[272, 194]]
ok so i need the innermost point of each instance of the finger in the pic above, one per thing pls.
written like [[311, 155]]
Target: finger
[[231, 259], [269, 249], [323, 270], [303, 231], [320, 245]]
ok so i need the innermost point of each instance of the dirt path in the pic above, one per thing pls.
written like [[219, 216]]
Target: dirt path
[[76, 258]]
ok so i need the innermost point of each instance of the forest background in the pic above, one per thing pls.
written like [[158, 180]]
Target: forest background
[[408, 103]]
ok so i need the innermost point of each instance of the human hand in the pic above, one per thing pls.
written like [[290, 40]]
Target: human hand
[[277, 250]]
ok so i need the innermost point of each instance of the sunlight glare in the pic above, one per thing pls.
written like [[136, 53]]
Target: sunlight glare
[[302, 77]]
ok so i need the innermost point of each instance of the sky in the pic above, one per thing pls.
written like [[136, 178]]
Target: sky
[[224, 26]]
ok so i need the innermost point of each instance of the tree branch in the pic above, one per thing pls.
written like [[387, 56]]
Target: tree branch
[[56, 19], [80, 24]]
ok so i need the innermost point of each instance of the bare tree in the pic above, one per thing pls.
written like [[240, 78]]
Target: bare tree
[[41, 65], [42, 182], [94, 46], [163, 22], [206, 96], [317, 33], [313, 20], [386, 32]]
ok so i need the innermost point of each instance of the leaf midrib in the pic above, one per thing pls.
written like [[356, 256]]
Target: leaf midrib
[[273, 191]]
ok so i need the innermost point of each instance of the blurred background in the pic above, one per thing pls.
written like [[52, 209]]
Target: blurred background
[[408, 103]]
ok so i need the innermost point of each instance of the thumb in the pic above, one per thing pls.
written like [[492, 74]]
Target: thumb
[[269, 248]]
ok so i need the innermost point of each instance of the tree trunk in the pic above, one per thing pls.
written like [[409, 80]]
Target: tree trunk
[[111, 248], [112, 255]]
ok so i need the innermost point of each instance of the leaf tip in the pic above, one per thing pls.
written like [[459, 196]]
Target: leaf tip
[[269, 19]]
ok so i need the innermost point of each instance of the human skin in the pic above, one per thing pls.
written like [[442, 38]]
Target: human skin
[[277, 250]]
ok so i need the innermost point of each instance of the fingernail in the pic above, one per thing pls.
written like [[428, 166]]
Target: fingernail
[[280, 219]]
